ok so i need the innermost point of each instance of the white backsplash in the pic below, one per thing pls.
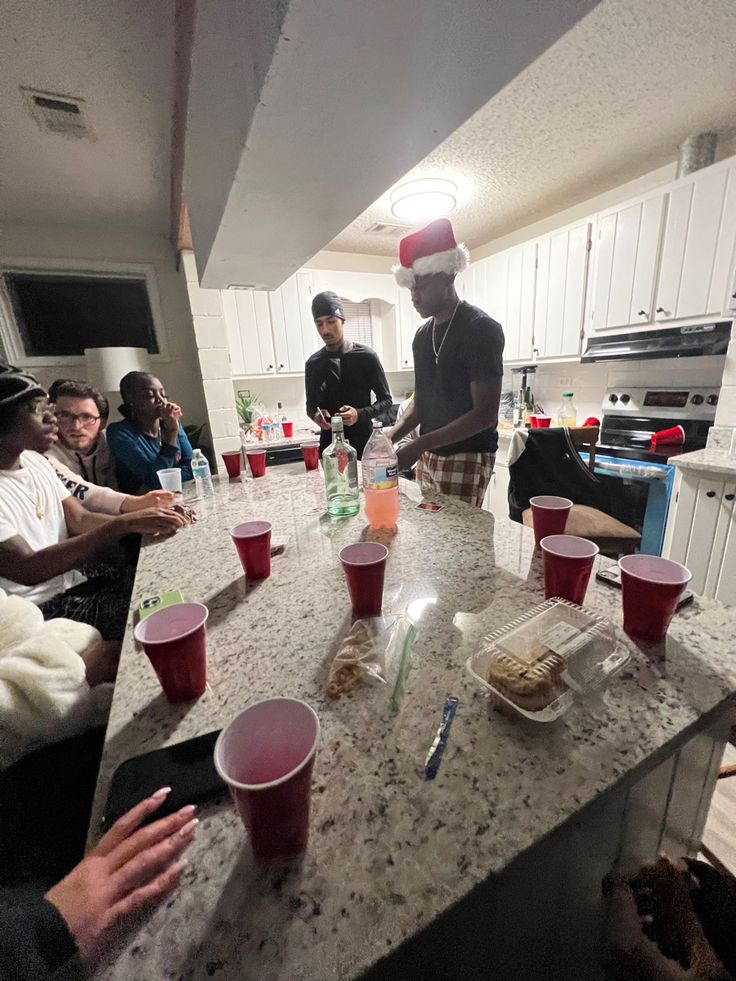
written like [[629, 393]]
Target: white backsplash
[[588, 382]]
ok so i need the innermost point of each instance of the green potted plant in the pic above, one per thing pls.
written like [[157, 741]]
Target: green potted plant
[[245, 405]]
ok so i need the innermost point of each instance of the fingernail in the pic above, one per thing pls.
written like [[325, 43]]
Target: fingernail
[[188, 809], [160, 794], [188, 829]]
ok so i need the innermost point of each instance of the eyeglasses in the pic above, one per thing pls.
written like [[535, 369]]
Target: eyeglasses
[[69, 418]]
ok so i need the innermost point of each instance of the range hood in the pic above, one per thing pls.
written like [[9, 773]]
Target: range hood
[[670, 342]]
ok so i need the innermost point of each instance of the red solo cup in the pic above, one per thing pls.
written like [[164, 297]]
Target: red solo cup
[[310, 452], [568, 562], [287, 428], [549, 516], [365, 565], [253, 542], [257, 462], [543, 422], [652, 588], [233, 462], [532, 422], [175, 641], [266, 756]]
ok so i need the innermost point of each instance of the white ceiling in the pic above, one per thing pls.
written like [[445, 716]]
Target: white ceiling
[[611, 100], [118, 55]]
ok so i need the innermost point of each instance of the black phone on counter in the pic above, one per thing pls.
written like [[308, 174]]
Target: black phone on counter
[[612, 577], [188, 768]]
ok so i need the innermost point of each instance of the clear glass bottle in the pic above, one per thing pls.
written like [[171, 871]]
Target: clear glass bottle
[[340, 464], [567, 414], [380, 471], [276, 422], [201, 474]]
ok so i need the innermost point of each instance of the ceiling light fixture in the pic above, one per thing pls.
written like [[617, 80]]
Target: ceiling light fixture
[[423, 199]]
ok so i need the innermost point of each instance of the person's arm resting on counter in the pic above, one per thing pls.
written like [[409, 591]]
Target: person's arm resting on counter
[[21, 564], [485, 394]]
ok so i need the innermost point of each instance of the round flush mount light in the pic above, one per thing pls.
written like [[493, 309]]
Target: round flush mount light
[[423, 199]]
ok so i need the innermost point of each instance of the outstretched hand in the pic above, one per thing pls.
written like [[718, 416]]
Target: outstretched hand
[[131, 870]]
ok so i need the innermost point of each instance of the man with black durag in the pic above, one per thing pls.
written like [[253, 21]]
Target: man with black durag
[[341, 377]]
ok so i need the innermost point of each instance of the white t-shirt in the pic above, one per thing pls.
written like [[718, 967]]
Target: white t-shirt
[[20, 491]]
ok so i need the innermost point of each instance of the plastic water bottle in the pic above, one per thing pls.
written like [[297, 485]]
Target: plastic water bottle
[[201, 473], [380, 480]]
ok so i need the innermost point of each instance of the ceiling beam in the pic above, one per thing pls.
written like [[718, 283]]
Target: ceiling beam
[[303, 112], [184, 16]]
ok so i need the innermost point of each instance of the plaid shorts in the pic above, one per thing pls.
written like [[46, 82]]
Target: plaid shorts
[[463, 475]]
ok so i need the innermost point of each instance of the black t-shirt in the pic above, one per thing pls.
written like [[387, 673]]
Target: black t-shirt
[[471, 351], [347, 377]]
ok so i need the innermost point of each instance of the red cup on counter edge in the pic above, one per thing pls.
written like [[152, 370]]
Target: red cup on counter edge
[[549, 515], [287, 428], [365, 567], [253, 543], [310, 452], [266, 756], [175, 642], [257, 462], [233, 461], [651, 588], [568, 563]]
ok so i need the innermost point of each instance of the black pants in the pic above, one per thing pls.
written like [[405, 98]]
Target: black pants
[[102, 601]]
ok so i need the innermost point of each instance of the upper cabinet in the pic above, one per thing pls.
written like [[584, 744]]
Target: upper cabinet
[[625, 266], [559, 304], [698, 245], [503, 287], [409, 323]]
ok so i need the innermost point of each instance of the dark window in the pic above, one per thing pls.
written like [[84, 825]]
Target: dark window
[[61, 315]]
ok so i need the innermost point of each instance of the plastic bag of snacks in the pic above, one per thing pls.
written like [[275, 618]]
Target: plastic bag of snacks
[[377, 650]]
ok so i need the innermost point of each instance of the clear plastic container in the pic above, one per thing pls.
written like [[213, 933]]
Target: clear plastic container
[[540, 663], [567, 414]]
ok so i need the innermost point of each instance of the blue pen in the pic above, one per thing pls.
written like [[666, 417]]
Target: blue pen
[[437, 749]]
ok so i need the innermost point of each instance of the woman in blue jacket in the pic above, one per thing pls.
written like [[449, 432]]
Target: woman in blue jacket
[[150, 437]]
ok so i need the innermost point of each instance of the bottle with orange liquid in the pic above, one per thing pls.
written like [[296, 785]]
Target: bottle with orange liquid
[[380, 480]]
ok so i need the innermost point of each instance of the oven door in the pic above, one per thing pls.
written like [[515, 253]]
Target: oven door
[[640, 496]]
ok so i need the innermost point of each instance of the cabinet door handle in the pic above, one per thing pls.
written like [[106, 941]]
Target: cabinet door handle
[[270, 367], [280, 366], [733, 296], [730, 497], [643, 313], [710, 493], [660, 310]]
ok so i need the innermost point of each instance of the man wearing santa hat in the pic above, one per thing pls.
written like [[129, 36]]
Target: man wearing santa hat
[[458, 369]]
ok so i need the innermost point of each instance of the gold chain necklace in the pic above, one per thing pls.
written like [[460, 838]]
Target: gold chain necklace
[[36, 500], [444, 337]]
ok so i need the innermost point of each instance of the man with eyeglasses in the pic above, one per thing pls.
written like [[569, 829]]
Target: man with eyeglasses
[[81, 444]]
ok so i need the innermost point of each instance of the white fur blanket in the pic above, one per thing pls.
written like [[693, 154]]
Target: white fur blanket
[[44, 695]]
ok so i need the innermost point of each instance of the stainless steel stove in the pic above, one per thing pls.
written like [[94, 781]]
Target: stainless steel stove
[[637, 479], [632, 415]]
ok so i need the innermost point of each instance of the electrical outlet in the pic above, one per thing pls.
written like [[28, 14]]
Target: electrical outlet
[[564, 380]]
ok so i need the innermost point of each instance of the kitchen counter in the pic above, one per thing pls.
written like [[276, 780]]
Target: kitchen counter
[[446, 878], [709, 460]]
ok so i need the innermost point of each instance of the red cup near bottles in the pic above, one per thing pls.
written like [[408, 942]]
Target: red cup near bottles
[[651, 588], [266, 756], [365, 567], [257, 462], [253, 542], [233, 462], [541, 422], [175, 641], [287, 428], [549, 515], [568, 563], [310, 452]]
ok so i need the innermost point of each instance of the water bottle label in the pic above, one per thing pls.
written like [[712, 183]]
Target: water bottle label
[[383, 477]]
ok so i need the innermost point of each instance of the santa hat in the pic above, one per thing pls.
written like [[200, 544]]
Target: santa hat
[[430, 250]]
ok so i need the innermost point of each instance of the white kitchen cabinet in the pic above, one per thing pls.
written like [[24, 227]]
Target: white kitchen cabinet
[[559, 303], [701, 532], [248, 326], [626, 253], [409, 323], [698, 247], [520, 291], [294, 333]]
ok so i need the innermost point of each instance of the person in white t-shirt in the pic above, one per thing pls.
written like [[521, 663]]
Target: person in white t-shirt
[[45, 533]]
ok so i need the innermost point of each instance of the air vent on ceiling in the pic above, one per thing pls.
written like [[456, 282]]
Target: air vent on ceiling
[[383, 228], [61, 115]]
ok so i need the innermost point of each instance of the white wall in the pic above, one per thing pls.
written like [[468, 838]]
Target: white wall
[[55, 244]]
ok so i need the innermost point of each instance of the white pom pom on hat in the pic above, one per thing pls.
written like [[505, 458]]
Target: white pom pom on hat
[[432, 249]]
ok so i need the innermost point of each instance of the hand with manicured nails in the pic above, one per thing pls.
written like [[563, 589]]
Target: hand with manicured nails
[[131, 870]]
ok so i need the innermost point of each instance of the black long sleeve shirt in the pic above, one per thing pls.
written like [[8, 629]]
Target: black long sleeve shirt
[[35, 943], [347, 377]]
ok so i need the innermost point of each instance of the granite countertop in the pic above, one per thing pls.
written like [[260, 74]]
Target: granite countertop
[[389, 851], [707, 461]]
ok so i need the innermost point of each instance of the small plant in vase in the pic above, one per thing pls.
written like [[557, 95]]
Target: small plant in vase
[[247, 407]]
